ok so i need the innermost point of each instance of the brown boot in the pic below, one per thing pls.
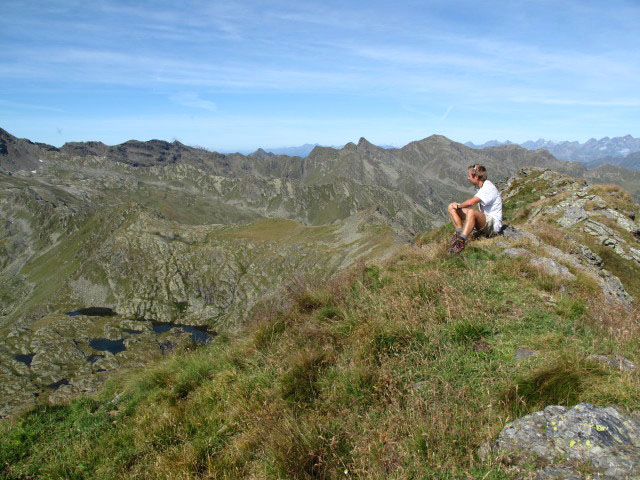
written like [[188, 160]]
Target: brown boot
[[457, 245]]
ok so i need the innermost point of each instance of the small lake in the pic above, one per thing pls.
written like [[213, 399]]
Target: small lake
[[26, 358], [200, 335], [56, 385], [93, 312], [104, 344], [131, 331]]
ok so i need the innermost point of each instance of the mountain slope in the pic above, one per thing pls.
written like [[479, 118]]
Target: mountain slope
[[400, 370], [630, 162]]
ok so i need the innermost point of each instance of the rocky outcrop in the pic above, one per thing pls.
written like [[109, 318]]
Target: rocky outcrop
[[583, 260], [605, 214], [589, 212], [571, 441]]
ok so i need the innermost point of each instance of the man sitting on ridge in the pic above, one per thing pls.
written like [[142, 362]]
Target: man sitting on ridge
[[487, 221]]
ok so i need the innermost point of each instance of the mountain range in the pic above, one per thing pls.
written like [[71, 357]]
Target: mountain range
[[593, 152], [163, 232]]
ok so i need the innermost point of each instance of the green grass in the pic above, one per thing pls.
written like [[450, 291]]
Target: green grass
[[376, 374]]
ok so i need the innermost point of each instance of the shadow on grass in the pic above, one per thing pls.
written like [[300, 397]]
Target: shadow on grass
[[561, 383]]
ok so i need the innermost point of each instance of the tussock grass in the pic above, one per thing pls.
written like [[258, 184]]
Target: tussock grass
[[393, 371], [560, 382]]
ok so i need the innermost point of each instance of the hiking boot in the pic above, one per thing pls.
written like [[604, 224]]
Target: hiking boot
[[457, 246]]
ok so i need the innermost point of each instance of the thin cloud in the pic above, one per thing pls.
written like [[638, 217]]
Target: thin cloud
[[29, 106], [631, 103], [191, 99], [446, 114]]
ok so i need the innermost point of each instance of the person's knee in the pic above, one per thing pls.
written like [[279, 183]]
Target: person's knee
[[452, 206]]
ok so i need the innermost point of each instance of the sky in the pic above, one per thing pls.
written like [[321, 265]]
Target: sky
[[238, 75]]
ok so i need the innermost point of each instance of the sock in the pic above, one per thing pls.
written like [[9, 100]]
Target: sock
[[463, 237], [458, 230]]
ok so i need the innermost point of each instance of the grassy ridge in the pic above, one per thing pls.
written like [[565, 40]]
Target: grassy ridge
[[400, 371]]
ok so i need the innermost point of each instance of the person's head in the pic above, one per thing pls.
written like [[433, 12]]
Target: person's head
[[477, 174]]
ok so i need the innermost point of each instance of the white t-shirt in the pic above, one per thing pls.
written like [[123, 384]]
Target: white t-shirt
[[491, 203]]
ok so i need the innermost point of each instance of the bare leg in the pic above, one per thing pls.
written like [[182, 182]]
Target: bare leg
[[457, 215], [475, 219]]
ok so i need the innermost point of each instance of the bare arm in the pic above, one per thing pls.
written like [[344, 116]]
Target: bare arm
[[468, 203]]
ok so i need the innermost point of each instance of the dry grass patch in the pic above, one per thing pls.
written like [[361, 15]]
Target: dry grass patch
[[617, 198]]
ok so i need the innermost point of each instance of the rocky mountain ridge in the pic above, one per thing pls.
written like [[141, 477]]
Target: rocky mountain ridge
[[590, 151]]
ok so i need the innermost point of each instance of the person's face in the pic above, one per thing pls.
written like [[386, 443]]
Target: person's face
[[471, 178]]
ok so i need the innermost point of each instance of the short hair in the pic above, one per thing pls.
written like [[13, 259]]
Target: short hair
[[479, 171]]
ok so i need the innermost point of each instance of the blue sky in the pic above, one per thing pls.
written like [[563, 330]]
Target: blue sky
[[241, 75]]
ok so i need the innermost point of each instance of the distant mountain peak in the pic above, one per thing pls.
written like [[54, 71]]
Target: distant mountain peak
[[588, 152], [260, 153]]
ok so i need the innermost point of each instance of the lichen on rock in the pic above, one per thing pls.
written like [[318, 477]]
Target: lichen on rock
[[563, 439]]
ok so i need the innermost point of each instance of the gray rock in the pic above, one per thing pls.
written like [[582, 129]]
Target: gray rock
[[515, 233], [548, 299], [585, 261], [517, 252], [601, 439], [615, 361], [573, 214], [552, 267], [623, 221], [604, 235], [558, 473], [589, 257], [522, 352]]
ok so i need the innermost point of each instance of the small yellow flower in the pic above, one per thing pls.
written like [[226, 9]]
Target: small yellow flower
[[346, 472], [601, 428], [572, 443]]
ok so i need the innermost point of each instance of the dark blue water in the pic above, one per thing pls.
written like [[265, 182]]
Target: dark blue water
[[93, 312], [200, 335], [57, 385], [131, 331], [26, 358], [104, 344]]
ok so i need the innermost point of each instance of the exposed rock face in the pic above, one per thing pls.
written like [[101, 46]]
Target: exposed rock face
[[577, 206], [583, 260], [550, 266], [20, 154], [572, 211], [566, 439]]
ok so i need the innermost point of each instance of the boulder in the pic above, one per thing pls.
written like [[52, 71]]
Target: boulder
[[550, 266], [615, 361], [567, 441]]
